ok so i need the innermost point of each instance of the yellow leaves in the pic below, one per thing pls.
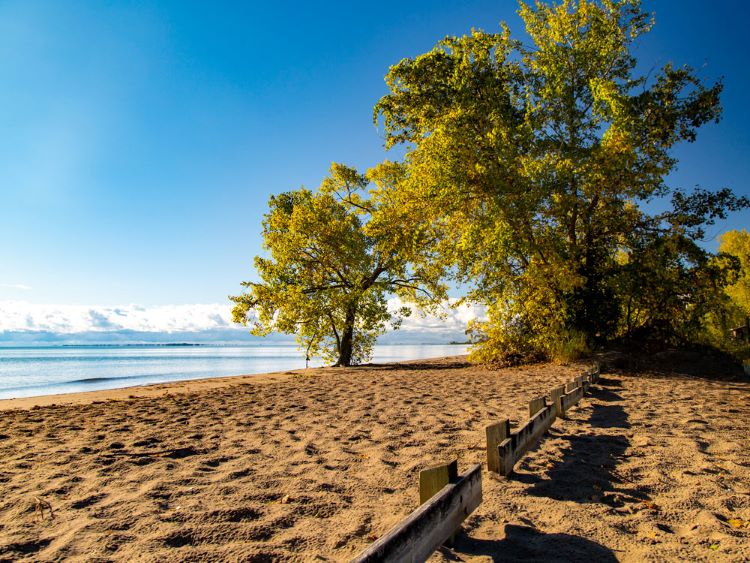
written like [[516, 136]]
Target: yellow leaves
[[738, 523], [616, 141], [737, 244]]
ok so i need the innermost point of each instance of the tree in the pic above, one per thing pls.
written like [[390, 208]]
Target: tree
[[332, 266], [531, 163], [737, 244]]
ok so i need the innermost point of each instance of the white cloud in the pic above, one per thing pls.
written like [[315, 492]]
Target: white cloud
[[21, 286], [68, 319], [452, 318], [21, 316]]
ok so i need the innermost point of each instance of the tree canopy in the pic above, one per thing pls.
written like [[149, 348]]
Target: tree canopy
[[530, 175], [531, 164], [330, 268], [737, 244]]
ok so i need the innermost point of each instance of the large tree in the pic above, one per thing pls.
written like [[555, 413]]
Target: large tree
[[331, 267], [737, 244], [531, 163]]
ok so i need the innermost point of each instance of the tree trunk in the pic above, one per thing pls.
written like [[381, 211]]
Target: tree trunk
[[347, 340]]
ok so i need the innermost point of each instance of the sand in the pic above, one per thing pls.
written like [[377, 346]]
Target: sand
[[314, 465]]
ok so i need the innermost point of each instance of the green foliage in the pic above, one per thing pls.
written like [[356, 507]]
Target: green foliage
[[569, 347], [737, 244], [527, 167], [332, 264], [733, 309]]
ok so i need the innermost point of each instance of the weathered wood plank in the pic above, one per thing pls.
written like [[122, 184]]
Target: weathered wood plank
[[514, 447], [416, 537], [554, 396], [535, 405], [571, 386], [568, 400], [595, 373], [433, 479], [583, 381], [496, 433]]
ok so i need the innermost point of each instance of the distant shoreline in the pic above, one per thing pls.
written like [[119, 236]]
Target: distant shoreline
[[147, 390], [183, 386], [65, 371]]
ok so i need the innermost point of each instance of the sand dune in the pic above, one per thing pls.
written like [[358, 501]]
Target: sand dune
[[315, 465]]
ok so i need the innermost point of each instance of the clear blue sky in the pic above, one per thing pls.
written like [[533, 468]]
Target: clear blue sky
[[140, 141]]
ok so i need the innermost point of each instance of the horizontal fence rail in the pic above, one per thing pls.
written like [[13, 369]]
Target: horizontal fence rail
[[447, 498], [514, 445], [513, 448], [415, 538]]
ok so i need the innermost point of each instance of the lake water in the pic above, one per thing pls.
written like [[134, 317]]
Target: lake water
[[27, 372]]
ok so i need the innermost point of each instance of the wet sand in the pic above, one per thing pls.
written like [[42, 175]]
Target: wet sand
[[316, 464]]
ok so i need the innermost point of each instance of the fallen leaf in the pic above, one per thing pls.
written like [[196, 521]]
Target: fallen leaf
[[738, 523]]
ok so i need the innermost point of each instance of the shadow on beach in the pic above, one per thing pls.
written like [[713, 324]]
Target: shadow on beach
[[434, 365], [701, 363], [525, 543], [586, 473]]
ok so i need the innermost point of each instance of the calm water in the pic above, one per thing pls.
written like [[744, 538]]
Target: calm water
[[26, 372]]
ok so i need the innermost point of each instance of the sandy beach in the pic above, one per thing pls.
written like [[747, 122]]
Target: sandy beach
[[316, 464]]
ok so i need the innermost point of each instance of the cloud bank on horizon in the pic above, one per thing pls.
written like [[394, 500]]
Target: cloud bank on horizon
[[24, 317]]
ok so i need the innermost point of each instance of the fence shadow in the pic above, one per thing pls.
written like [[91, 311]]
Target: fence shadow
[[525, 543], [586, 472], [606, 394]]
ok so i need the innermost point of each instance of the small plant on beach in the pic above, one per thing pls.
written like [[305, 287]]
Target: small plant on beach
[[335, 256]]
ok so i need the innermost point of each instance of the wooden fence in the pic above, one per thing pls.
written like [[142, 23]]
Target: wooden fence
[[415, 538], [505, 449], [448, 498]]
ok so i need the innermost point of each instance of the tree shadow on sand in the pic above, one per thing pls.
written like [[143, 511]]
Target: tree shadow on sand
[[416, 366], [699, 362], [525, 543], [586, 472]]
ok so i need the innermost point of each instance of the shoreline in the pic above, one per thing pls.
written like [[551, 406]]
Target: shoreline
[[145, 390], [143, 381], [150, 390]]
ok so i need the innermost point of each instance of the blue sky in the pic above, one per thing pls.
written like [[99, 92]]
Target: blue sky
[[141, 140]]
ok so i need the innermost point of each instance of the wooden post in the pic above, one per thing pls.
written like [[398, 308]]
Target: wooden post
[[570, 399], [496, 433], [535, 405], [517, 444], [554, 396], [433, 479], [417, 536]]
